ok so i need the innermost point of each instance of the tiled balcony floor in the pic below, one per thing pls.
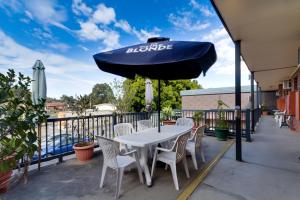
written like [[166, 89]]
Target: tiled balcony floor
[[73, 180]]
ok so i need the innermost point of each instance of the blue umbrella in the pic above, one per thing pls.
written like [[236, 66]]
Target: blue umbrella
[[159, 59]]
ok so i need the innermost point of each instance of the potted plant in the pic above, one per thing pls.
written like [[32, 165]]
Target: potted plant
[[221, 129], [19, 118], [84, 149], [264, 110], [197, 117], [167, 113]]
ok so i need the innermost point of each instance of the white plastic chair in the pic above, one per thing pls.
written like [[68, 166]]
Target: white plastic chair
[[194, 144], [184, 122], [144, 124], [116, 161], [123, 129], [172, 156]]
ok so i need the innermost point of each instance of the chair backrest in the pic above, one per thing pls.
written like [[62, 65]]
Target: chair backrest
[[110, 150], [198, 136], [144, 124], [123, 129], [185, 122], [180, 145]]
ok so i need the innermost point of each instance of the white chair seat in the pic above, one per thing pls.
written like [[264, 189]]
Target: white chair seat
[[190, 146], [124, 161], [166, 157]]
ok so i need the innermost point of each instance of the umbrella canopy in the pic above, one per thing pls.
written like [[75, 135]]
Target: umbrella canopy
[[159, 59], [39, 87], [166, 60]]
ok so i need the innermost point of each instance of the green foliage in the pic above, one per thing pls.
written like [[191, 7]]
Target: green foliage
[[19, 118], [124, 95], [81, 104], [221, 120], [102, 93], [197, 117], [170, 92], [167, 113], [69, 100]]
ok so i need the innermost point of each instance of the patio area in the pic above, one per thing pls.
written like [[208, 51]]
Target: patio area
[[74, 180], [271, 168]]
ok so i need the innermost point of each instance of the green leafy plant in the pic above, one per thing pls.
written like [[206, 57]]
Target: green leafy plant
[[197, 117], [19, 119], [167, 113], [221, 122]]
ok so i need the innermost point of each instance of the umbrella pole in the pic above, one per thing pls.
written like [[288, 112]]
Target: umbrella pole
[[158, 105]]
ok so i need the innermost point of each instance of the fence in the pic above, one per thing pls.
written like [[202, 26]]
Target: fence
[[210, 120], [60, 134]]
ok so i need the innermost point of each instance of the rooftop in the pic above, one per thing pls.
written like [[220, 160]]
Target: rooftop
[[221, 90]]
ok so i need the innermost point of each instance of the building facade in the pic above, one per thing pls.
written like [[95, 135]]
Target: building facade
[[203, 99]]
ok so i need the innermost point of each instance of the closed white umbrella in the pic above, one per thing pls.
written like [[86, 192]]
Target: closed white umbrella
[[39, 92], [148, 94]]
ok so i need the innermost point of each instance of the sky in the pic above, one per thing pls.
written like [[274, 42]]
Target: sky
[[65, 35]]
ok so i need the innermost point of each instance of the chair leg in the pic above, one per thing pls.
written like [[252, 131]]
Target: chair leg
[[103, 175], [166, 167], [202, 154], [119, 181], [154, 163], [174, 175], [193, 154], [186, 167]]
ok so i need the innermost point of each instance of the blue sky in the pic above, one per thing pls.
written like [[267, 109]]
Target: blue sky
[[65, 35]]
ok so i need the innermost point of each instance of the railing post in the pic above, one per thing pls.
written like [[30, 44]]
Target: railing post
[[114, 121], [248, 125]]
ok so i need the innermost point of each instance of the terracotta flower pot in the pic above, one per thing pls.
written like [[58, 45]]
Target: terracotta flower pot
[[84, 151], [169, 122], [4, 180]]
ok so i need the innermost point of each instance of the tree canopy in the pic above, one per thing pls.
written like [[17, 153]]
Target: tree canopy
[[170, 92], [102, 93]]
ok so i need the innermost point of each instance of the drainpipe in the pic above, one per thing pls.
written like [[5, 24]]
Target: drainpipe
[[238, 134], [252, 102]]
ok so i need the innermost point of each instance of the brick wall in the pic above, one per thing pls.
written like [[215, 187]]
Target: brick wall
[[203, 102]]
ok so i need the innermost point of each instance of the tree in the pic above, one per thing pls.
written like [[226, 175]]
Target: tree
[[81, 104], [102, 93], [170, 92], [69, 100], [124, 95]]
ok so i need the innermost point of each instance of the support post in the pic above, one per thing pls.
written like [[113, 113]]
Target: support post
[[257, 95], [252, 103], [158, 105], [238, 134]]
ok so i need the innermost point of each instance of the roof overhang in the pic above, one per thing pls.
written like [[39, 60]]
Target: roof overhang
[[270, 36]]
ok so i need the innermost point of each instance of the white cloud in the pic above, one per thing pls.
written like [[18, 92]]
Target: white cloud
[[83, 48], [60, 46], [69, 72], [90, 31], [225, 52], [104, 15], [203, 9], [48, 12], [187, 21], [143, 35], [124, 25], [79, 7]]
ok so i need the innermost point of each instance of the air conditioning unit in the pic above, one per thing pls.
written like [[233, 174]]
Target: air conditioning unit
[[286, 85]]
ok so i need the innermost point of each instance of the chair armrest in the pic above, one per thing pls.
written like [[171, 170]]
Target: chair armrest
[[163, 149], [128, 153]]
